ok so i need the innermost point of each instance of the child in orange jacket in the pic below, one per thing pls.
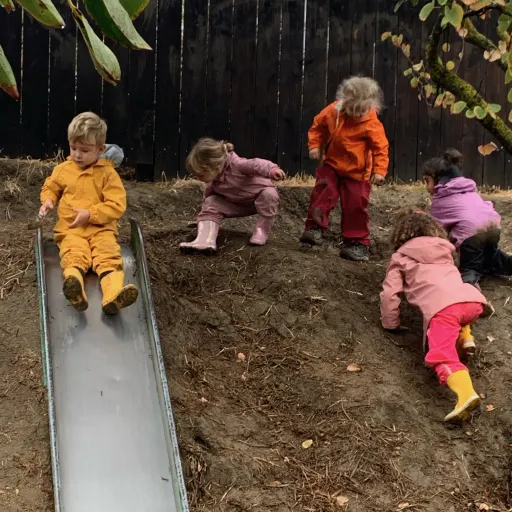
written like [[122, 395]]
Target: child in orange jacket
[[91, 199], [355, 156]]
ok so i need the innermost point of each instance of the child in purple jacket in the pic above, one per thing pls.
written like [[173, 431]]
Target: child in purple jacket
[[472, 223], [236, 187]]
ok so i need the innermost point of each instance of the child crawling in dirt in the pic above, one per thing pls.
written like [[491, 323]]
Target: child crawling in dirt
[[91, 199], [422, 267], [473, 224], [236, 187], [355, 156]]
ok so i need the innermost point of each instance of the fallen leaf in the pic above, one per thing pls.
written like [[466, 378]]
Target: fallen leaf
[[490, 339], [353, 367], [482, 396], [203, 400], [484, 506], [276, 483], [487, 149], [307, 444], [403, 505], [240, 356], [341, 501], [489, 408], [244, 376]]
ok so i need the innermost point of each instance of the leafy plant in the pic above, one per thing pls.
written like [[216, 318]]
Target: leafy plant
[[114, 18], [436, 76]]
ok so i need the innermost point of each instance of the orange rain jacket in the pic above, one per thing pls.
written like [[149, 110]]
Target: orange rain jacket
[[355, 148], [98, 189]]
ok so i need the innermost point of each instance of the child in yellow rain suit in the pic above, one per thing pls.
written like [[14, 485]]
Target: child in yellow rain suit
[[91, 199]]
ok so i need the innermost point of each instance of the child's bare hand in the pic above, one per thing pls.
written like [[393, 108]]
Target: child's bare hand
[[377, 179], [278, 174], [81, 219], [46, 207], [315, 154]]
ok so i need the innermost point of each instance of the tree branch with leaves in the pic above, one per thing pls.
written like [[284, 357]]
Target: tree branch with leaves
[[437, 79], [114, 19]]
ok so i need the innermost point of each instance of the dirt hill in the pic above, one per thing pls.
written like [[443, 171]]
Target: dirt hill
[[300, 317]]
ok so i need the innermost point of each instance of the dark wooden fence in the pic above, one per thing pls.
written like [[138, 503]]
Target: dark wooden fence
[[251, 71]]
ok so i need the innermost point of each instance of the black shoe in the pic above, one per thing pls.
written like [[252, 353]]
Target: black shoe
[[312, 236], [355, 252]]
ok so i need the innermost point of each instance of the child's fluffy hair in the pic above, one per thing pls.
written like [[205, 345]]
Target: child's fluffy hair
[[88, 128], [358, 95], [208, 156], [445, 168], [412, 223]]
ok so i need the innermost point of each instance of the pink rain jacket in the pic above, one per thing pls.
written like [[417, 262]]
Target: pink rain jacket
[[242, 179], [423, 269]]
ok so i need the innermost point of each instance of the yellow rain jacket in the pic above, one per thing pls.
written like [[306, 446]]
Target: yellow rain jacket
[[98, 189]]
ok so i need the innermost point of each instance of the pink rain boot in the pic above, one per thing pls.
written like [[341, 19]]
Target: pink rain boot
[[206, 240], [262, 230]]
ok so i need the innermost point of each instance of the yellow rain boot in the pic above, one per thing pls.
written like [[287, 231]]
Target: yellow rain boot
[[466, 341], [74, 288], [467, 399], [115, 296]]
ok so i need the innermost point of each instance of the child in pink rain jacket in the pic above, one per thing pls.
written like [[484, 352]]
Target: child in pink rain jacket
[[473, 224], [237, 187], [422, 267]]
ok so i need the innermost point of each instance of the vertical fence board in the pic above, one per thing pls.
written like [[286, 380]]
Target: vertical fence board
[[193, 94], [10, 127], [62, 81], [243, 85], [407, 102], [116, 108], [89, 82], [386, 71], [218, 94], [36, 42], [290, 86], [167, 120], [142, 97], [364, 19], [340, 44], [315, 72], [267, 72]]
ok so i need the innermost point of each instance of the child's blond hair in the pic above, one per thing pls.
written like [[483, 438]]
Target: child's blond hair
[[358, 95], [411, 223], [88, 128], [208, 156]]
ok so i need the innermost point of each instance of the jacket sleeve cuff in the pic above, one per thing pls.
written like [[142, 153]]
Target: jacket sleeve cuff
[[48, 195], [381, 172]]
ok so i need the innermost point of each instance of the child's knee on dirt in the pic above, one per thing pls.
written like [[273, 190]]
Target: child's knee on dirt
[[236, 187], [422, 268], [352, 118]]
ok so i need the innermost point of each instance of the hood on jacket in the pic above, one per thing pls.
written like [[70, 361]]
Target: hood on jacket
[[428, 249], [372, 114], [455, 186]]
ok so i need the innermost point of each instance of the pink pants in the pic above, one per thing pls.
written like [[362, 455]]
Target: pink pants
[[216, 208], [443, 332]]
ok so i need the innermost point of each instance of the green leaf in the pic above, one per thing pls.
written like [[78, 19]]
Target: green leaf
[[480, 113], [442, 2], [454, 15], [408, 72], [7, 80], [427, 10], [385, 35], [446, 47], [504, 22], [43, 11], [115, 23], [134, 7], [470, 114], [508, 76], [104, 60], [414, 82], [495, 107], [8, 5], [399, 4], [509, 96], [450, 65], [458, 107]]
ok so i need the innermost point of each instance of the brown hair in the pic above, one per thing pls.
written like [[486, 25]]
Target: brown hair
[[445, 168], [411, 223], [208, 156], [88, 128], [359, 95]]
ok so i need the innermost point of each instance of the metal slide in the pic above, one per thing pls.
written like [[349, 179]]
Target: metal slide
[[113, 440]]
